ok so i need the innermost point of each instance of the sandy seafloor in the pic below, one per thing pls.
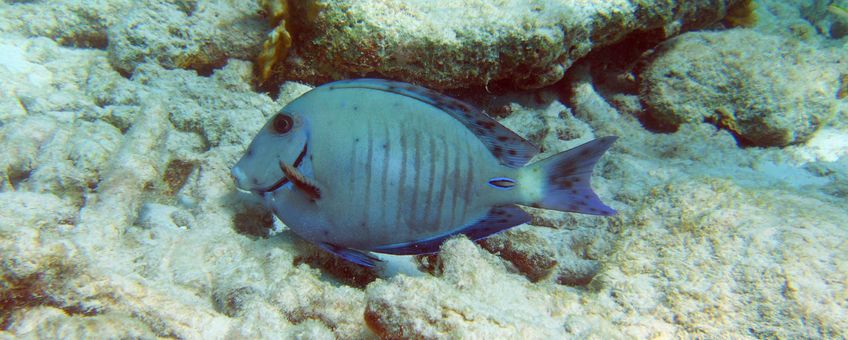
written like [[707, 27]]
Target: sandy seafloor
[[118, 217]]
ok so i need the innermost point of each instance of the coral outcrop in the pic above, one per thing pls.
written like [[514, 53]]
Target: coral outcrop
[[197, 35], [766, 90], [464, 43]]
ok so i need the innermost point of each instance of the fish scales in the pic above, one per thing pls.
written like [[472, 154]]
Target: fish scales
[[373, 165], [409, 188]]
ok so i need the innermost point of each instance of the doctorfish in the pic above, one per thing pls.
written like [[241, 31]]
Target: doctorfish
[[371, 165]]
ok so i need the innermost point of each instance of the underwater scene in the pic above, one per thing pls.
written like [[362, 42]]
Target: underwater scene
[[424, 169]]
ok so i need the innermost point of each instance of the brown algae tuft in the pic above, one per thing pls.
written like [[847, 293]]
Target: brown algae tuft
[[742, 14], [276, 47], [279, 41]]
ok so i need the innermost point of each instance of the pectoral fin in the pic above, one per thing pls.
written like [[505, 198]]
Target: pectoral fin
[[309, 186]]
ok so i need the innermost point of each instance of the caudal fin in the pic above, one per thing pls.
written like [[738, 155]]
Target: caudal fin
[[567, 179]]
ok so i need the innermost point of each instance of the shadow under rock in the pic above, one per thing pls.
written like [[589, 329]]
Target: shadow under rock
[[615, 70]]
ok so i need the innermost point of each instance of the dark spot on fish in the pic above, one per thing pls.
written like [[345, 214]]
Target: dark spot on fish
[[574, 191], [593, 209], [511, 152], [356, 140], [503, 220], [572, 207], [586, 152], [325, 232], [576, 179], [587, 197], [355, 108], [581, 203], [396, 104], [566, 183], [486, 124], [385, 146], [249, 153], [503, 138], [497, 151], [255, 180], [535, 205]]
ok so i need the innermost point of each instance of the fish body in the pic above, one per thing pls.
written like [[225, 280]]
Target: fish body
[[372, 165]]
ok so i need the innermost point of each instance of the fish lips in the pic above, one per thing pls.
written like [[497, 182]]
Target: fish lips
[[283, 180]]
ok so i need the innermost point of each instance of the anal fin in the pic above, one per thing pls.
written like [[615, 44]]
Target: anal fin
[[499, 218], [359, 257]]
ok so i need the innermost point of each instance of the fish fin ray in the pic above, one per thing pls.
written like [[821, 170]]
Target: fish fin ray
[[499, 218], [508, 147], [356, 256], [568, 175]]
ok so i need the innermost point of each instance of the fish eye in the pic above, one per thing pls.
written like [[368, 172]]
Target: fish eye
[[282, 123]]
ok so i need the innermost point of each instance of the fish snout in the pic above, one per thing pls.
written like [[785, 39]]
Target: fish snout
[[239, 177]]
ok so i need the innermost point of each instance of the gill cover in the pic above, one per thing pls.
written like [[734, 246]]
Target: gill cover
[[284, 138]]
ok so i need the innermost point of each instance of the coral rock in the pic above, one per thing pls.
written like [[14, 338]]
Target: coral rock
[[201, 36], [474, 298], [529, 252], [467, 43], [766, 90]]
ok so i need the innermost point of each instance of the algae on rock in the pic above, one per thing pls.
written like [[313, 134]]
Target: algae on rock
[[461, 44]]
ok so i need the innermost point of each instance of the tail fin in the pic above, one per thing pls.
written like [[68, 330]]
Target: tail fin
[[567, 179]]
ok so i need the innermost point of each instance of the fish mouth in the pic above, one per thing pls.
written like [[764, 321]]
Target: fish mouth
[[283, 180]]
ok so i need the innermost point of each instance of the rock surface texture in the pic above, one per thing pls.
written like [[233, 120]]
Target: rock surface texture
[[470, 43], [767, 90]]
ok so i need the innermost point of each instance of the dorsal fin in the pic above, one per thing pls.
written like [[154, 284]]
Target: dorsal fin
[[509, 148]]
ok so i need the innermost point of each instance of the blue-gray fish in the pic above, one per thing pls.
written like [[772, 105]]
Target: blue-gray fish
[[371, 165]]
